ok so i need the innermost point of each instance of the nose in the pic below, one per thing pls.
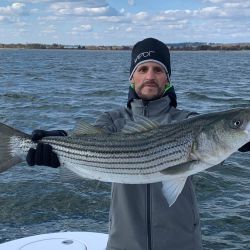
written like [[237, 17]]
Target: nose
[[150, 74]]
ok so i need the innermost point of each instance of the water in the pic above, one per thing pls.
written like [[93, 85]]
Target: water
[[53, 89]]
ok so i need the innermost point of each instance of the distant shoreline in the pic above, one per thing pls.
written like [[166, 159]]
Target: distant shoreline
[[174, 47]]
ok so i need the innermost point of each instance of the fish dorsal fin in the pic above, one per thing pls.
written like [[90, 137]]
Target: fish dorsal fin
[[142, 124], [85, 128]]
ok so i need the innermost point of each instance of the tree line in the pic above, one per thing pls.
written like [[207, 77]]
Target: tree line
[[175, 46]]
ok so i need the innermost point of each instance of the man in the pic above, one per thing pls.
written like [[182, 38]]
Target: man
[[140, 218]]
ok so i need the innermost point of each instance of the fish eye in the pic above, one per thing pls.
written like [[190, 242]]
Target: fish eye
[[237, 123]]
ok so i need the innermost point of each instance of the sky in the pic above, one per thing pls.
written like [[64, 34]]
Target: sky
[[123, 22]]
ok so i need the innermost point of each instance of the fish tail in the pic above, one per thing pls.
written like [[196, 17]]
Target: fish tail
[[8, 155]]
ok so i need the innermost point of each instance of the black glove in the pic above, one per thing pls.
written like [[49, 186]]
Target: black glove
[[245, 147], [43, 154]]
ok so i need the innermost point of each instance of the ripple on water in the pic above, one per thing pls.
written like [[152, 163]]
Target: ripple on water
[[55, 89]]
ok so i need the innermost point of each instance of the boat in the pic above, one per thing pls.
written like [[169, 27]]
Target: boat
[[60, 241]]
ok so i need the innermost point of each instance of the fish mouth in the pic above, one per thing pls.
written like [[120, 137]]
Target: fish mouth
[[247, 130]]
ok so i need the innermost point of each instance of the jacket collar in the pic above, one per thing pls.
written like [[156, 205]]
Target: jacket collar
[[170, 93], [153, 109]]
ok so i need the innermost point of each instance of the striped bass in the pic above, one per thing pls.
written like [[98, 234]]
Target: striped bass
[[144, 152]]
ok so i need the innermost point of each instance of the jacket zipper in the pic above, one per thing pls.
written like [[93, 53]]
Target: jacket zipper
[[148, 199], [145, 110], [149, 217]]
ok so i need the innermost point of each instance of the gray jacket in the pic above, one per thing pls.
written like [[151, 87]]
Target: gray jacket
[[140, 218]]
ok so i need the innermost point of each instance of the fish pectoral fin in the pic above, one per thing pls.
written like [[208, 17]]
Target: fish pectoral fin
[[85, 128], [142, 124], [177, 169], [171, 189]]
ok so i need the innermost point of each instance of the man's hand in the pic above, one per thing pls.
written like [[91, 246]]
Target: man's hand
[[43, 154], [245, 148]]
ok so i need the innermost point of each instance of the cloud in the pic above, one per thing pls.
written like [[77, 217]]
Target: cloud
[[84, 27], [3, 18], [211, 12], [114, 28], [44, 19], [12, 13], [123, 19], [86, 3], [215, 1], [17, 9], [141, 16], [231, 11], [81, 29], [50, 29], [172, 15], [213, 19], [131, 2], [78, 9]]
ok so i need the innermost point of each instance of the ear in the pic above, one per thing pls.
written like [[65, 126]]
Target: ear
[[168, 78], [132, 80]]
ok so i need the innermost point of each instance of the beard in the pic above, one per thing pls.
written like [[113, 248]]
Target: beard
[[158, 92]]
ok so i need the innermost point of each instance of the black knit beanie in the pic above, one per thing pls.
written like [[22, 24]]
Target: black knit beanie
[[150, 50]]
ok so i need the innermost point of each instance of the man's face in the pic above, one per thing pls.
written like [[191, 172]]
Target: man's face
[[149, 80]]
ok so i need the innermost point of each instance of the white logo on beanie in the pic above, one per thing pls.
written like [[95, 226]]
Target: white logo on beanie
[[144, 54]]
